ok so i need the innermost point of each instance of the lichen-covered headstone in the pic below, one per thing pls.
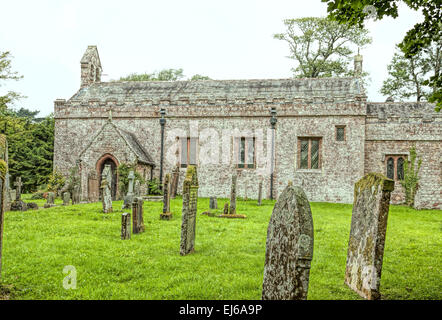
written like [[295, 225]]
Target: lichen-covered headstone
[[213, 204], [66, 198], [190, 201], [289, 247], [137, 188], [106, 182], [260, 193], [137, 215], [367, 234], [3, 189], [166, 215], [175, 180], [232, 209], [125, 226], [128, 198]]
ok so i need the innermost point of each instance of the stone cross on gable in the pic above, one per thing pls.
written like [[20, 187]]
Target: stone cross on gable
[[18, 184]]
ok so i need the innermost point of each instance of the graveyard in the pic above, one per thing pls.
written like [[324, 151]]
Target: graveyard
[[227, 263]]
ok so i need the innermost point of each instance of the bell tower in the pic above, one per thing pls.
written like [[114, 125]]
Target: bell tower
[[90, 67]]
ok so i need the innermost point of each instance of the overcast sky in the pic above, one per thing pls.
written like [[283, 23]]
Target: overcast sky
[[228, 39]]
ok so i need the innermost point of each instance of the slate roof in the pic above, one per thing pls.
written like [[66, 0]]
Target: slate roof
[[230, 89]]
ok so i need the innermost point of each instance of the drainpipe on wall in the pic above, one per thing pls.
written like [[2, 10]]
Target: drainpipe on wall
[[162, 123], [273, 121]]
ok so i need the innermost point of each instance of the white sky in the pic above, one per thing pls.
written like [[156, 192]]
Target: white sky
[[228, 39]]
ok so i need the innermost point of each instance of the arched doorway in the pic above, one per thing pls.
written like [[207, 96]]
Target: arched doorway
[[113, 162]]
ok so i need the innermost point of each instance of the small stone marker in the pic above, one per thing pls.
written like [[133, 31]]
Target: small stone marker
[[3, 188], [190, 201], [260, 193], [106, 182], [232, 209], [213, 203], [289, 247], [166, 215], [127, 203], [137, 215], [66, 198], [367, 234], [125, 226]]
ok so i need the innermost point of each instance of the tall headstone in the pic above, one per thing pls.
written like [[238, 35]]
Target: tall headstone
[[125, 226], [128, 198], [190, 201], [137, 215], [3, 189], [66, 198], [174, 183], [367, 234], [260, 193], [289, 247], [232, 209], [106, 183], [213, 204], [166, 215]]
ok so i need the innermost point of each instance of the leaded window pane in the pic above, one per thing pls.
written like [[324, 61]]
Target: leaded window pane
[[250, 152], [184, 152], [304, 154], [390, 168], [315, 154], [340, 134], [400, 169], [242, 151], [192, 150]]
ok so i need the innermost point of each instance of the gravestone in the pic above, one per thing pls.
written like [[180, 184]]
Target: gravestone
[[190, 201], [128, 198], [137, 215], [106, 183], [232, 209], [18, 204], [213, 203], [92, 187], [289, 247], [174, 183], [166, 215], [3, 189], [260, 193], [125, 226], [50, 200], [76, 194], [66, 198], [226, 208], [367, 234], [137, 188]]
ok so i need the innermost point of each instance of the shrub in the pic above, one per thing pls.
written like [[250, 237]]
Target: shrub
[[37, 195], [154, 187], [123, 173]]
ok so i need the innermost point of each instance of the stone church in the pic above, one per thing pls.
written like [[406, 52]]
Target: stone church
[[322, 134]]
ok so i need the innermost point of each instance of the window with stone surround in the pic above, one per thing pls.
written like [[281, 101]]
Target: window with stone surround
[[395, 166], [245, 147], [309, 153], [188, 151], [340, 133]]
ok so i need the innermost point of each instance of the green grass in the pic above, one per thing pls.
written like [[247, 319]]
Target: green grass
[[227, 264]]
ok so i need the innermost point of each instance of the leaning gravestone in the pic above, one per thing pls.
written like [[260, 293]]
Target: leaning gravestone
[[137, 215], [130, 192], [367, 234], [125, 226], [3, 189], [66, 198], [166, 215], [106, 182], [289, 247], [190, 201]]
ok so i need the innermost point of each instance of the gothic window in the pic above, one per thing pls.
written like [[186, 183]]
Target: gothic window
[[340, 133], [246, 152], [309, 150], [395, 167], [188, 151]]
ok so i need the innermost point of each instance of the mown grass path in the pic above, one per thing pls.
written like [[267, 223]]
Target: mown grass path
[[229, 258]]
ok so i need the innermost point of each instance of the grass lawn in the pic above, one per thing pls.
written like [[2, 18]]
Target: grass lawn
[[228, 262]]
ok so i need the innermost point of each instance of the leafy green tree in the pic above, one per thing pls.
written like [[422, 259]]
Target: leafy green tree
[[198, 77], [56, 181], [163, 75], [6, 73], [123, 173], [410, 183], [420, 36], [321, 46]]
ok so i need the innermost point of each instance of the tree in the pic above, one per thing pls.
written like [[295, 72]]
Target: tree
[[321, 46], [354, 12], [198, 77], [6, 73], [163, 75], [407, 75]]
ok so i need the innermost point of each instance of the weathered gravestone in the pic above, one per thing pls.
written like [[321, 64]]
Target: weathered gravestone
[[66, 198], [289, 247], [137, 188], [367, 234], [18, 204], [226, 209], [50, 200], [106, 183], [232, 209], [174, 183], [190, 201], [260, 193], [92, 187], [166, 215], [213, 204], [76, 194], [3, 189], [125, 226], [137, 215], [128, 198]]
